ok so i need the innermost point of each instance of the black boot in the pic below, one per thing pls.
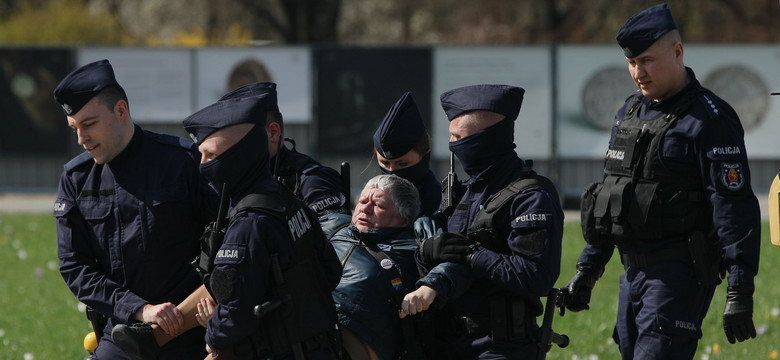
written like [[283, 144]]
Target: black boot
[[136, 340]]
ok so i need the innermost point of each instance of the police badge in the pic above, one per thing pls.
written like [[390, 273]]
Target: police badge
[[732, 176]]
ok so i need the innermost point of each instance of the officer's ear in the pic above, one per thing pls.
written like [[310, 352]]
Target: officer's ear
[[122, 110], [274, 132]]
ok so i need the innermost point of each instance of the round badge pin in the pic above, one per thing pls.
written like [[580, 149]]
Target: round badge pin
[[386, 264]]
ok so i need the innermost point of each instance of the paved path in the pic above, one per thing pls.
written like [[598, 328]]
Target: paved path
[[27, 203]]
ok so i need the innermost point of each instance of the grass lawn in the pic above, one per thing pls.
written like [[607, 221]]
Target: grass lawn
[[41, 319]]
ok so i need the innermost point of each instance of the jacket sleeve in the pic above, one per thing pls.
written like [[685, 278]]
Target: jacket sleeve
[[450, 280], [726, 180], [536, 223], [240, 279]]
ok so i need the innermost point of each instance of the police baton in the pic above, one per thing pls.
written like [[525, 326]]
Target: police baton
[[547, 336], [345, 178]]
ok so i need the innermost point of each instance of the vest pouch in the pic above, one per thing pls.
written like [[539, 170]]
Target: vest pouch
[[595, 230], [641, 204], [307, 308], [620, 198]]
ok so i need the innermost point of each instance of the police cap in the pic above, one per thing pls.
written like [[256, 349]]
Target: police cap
[[225, 113], [401, 129], [81, 85], [502, 99], [256, 89], [643, 29]]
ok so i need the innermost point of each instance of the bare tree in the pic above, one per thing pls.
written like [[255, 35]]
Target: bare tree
[[295, 21]]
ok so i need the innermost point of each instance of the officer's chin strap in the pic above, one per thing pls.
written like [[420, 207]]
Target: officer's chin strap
[[279, 153]]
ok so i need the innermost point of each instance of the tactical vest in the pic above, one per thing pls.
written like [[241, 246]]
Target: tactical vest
[[300, 306], [486, 229], [640, 196], [288, 171]]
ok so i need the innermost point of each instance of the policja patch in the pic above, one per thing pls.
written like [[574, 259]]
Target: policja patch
[[732, 176]]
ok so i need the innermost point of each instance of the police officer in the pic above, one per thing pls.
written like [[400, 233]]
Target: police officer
[[676, 201], [273, 249], [377, 247], [488, 291], [403, 147], [318, 186], [129, 212]]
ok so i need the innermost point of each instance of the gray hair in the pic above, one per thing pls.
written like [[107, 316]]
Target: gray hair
[[403, 193]]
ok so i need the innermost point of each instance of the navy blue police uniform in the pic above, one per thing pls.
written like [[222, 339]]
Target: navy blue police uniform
[[127, 230], [318, 186], [676, 193], [261, 255], [398, 133], [518, 261]]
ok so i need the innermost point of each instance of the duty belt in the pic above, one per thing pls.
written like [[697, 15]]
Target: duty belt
[[466, 325], [509, 319], [677, 252]]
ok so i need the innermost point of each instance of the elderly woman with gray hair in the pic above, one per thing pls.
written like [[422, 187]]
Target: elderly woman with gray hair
[[377, 249]]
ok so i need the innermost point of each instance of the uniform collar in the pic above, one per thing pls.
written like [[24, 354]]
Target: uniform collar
[[134, 147], [669, 104]]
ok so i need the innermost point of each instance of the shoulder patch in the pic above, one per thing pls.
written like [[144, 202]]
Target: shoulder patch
[[230, 254], [732, 176], [77, 161], [532, 220]]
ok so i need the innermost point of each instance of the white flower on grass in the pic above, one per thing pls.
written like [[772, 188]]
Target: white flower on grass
[[28, 356], [593, 357], [51, 265], [22, 254], [705, 356], [761, 330], [82, 307], [775, 312], [16, 244], [2, 332]]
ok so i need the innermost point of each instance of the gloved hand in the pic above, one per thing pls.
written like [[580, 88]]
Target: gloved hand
[[425, 227], [447, 247], [738, 314], [581, 285]]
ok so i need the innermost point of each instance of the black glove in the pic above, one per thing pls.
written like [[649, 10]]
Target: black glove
[[581, 285], [738, 314], [425, 227], [447, 247]]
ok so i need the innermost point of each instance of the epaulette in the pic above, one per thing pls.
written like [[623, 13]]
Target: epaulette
[[171, 140], [710, 103], [77, 161]]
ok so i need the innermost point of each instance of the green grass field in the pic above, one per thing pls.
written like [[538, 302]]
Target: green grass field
[[40, 318]]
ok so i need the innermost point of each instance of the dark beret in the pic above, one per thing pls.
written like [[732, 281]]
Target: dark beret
[[401, 129], [502, 99], [256, 89], [643, 29], [225, 113], [81, 85]]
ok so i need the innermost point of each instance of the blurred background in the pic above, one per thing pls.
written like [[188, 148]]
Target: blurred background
[[341, 64]]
